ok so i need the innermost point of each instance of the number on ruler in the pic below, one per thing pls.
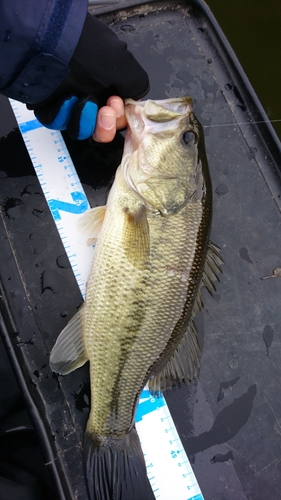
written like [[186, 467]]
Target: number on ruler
[[79, 206]]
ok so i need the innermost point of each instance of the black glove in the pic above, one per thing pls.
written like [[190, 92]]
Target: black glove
[[101, 66]]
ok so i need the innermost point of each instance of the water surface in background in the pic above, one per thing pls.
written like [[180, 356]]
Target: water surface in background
[[253, 28]]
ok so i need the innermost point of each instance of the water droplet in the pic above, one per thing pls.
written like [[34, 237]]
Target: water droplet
[[63, 262], [233, 364], [41, 69], [51, 281], [228, 86], [267, 337], [41, 214], [221, 189], [244, 254], [220, 457], [127, 28], [242, 107], [252, 153], [7, 37]]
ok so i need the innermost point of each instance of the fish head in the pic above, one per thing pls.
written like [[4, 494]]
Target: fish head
[[161, 153]]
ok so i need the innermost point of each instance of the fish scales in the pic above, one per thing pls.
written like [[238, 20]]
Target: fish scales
[[152, 247], [135, 320]]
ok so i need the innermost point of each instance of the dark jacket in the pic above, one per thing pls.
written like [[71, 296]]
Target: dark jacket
[[37, 40]]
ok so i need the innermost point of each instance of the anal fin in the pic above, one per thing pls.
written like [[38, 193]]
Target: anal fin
[[69, 352]]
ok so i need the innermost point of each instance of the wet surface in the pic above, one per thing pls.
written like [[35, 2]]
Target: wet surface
[[267, 336], [227, 423], [228, 418]]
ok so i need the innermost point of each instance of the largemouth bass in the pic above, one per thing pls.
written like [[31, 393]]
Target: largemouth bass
[[152, 255]]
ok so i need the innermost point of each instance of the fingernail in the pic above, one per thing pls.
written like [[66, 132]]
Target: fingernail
[[118, 107], [107, 121]]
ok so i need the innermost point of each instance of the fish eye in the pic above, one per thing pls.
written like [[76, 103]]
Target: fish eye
[[189, 138]]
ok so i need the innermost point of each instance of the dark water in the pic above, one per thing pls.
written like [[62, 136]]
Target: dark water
[[253, 28]]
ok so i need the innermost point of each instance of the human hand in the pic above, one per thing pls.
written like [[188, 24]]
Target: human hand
[[109, 119], [85, 103]]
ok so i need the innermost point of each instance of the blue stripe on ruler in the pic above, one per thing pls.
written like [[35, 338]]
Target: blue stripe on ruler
[[147, 404], [30, 125]]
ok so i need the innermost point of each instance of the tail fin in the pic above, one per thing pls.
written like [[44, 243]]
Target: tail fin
[[115, 468]]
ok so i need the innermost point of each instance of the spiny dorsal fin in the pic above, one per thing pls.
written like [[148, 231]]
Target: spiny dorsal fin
[[69, 352], [136, 237], [212, 268], [91, 223]]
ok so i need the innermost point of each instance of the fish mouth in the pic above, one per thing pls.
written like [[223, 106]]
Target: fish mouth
[[151, 117], [163, 109]]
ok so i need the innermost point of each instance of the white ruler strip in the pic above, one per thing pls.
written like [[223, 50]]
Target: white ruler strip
[[168, 468], [61, 187]]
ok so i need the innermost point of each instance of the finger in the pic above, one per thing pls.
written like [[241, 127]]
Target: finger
[[117, 104], [106, 125]]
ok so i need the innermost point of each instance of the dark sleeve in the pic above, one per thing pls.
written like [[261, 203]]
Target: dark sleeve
[[37, 40]]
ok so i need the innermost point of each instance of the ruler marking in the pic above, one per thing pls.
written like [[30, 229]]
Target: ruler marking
[[30, 125]]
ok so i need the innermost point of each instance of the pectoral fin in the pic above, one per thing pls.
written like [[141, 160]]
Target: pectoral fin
[[69, 352], [90, 223], [136, 237]]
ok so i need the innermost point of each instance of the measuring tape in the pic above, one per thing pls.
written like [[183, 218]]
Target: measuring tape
[[168, 468]]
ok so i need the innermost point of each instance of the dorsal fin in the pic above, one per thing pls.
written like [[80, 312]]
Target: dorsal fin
[[184, 363], [211, 268], [182, 366]]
